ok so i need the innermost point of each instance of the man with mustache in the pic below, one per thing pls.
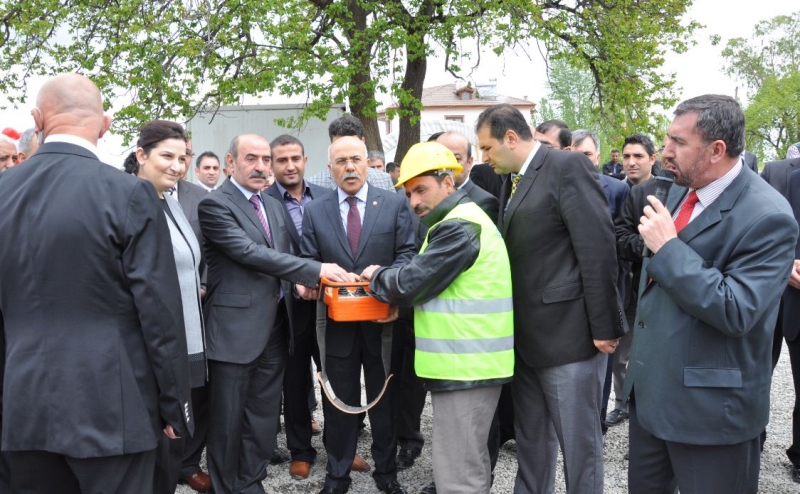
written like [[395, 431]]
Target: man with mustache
[[356, 226], [700, 368], [251, 272]]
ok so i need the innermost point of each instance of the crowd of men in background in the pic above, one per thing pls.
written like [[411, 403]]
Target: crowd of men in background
[[680, 294]]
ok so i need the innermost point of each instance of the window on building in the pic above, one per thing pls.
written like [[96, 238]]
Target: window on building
[[454, 118]]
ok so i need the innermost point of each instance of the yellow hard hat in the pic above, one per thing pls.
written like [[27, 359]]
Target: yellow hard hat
[[427, 157]]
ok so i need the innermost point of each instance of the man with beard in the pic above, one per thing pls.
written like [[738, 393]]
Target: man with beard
[[723, 246]]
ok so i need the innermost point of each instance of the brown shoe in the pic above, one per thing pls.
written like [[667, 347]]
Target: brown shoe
[[316, 429], [360, 465], [199, 481], [299, 470]]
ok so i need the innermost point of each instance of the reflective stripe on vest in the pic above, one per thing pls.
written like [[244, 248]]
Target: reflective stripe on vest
[[467, 332], [451, 306], [466, 346]]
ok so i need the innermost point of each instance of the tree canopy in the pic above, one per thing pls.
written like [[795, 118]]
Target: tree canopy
[[768, 64], [171, 58]]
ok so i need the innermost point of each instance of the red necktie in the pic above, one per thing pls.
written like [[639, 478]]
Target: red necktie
[[685, 214], [256, 202], [353, 225]]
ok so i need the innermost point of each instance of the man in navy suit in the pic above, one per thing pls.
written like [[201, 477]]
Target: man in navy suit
[[700, 369], [356, 226]]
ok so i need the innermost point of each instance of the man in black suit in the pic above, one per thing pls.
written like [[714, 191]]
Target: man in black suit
[[638, 155], [789, 323], [462, 149], [484, 177], [778, 175], [294, 193], [560, 240], [750, 161], [613, 168], [96, 352], [357, 226], [250, 276]]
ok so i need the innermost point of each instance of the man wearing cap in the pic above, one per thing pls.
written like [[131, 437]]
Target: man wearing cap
[[460, 287]]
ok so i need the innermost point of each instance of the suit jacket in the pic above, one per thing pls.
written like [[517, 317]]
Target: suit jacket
[[776, 173], [485, 200], [246, 273], [791, 296], [189, 197], [304, 312], [560, 243], [96, 350], [751, 161], [705, 322], [484, 177], [616, 191], [387, 239]]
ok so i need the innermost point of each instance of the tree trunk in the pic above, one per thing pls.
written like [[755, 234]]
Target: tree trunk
[[410, 115], [362, 88]]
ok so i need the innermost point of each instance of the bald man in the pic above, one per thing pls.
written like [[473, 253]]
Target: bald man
[[96, 367]]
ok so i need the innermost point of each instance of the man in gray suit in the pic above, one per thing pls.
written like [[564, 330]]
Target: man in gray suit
[[699, 374], [250, 276]]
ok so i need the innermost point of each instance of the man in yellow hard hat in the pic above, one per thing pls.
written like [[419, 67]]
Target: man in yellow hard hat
[[460, 287]]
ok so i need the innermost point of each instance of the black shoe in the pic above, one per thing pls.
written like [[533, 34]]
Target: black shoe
[[279, 457], [616, 417], [332, 490], [429, 489], [406, 457], [392, 487], [796, 472]]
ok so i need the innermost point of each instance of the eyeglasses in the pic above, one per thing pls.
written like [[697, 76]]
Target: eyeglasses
[[356, 160]]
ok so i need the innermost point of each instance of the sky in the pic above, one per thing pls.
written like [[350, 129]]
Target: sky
[[519, 74]]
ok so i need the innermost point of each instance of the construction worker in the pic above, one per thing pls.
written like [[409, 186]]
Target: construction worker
[[460, 287]]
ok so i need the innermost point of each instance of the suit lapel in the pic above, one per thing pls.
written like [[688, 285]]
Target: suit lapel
[[371, 211], [335, 218], [245, 206], [524, 186]]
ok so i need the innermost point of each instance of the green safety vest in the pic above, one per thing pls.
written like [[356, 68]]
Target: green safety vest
[[466, 333]]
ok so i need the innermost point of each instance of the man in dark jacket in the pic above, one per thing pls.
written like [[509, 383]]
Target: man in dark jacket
[[460, 287]]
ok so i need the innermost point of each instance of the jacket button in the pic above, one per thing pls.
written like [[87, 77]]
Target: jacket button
[[641, 324]]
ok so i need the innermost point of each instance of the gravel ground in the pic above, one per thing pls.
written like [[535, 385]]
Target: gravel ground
[[775, 467]]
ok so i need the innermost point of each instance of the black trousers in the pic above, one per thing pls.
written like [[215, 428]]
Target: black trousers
[[341, 429], [297, 384], [180, 458], [244, 408], [409, 391], [660, 467], [794, 355], [39, 472]]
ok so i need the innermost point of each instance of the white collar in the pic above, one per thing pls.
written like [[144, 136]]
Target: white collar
[[78, 141]]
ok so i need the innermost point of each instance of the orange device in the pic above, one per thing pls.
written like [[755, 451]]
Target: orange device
[[352, 301]]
